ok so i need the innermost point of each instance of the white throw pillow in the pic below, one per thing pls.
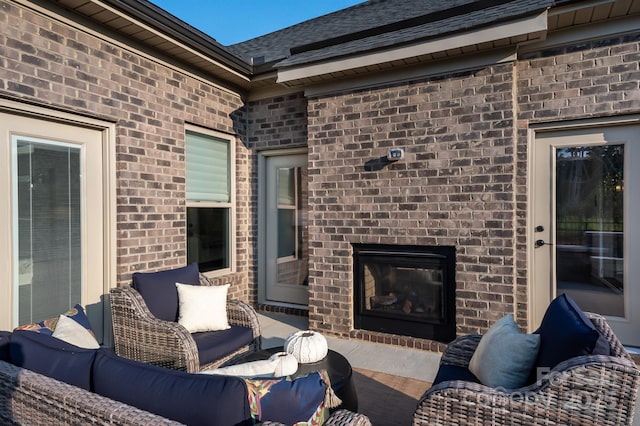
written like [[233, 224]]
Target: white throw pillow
[[202, 308], [261, 368], [70, 331], [504, 357]]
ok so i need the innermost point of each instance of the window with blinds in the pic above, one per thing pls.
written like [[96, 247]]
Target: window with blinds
[[209, 200]]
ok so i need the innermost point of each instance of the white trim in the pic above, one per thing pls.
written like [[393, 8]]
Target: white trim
[[441, 67], [515, 28], [582, 33]]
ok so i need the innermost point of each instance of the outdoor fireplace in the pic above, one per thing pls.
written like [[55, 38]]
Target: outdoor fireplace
[[405, 290]]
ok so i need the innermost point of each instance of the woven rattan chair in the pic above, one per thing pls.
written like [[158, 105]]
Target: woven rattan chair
[[585, 390], [140, 336]]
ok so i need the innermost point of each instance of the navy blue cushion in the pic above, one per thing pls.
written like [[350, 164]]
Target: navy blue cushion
[[288, 401], [448, 372], [566, 332], [5, 338], [193, 399], [158, 289], [52, 357], [213, 345]]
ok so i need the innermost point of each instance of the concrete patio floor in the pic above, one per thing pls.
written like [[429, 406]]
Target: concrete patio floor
[[403, 362]]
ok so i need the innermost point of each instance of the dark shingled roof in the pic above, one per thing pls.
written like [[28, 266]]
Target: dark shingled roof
[[377, 24]]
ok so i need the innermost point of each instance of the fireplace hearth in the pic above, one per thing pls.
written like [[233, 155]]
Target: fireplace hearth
[[405, 290]]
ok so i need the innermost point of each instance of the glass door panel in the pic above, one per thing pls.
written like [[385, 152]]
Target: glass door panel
[[286, 251], [48, 185], [590, 227]]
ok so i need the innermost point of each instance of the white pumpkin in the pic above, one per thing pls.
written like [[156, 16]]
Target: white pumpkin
[[307, 346], [285, 364]]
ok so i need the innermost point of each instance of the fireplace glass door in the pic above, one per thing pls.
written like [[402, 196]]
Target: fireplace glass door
[[406, 290]]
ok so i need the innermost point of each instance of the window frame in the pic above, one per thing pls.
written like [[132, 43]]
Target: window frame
[[230, 205]]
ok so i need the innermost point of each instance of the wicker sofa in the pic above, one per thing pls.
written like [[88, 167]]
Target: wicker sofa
[[590, 389], [56, 383]]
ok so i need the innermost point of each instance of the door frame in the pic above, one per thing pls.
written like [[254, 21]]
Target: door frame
[[536, 307], [262, 220], [108, 140]]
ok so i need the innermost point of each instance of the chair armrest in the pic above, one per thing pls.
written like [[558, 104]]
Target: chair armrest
[[346, 417], [586, 390], [337, 418], [140, 336], [460, 351], [242, 314]]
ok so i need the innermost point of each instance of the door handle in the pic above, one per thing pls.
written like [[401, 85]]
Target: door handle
[[540, 243]]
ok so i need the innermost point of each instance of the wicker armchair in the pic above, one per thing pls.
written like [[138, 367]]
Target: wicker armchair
[[585, 390], [140, 336]]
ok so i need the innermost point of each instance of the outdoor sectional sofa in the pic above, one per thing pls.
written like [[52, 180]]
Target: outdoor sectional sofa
[[44, 380]]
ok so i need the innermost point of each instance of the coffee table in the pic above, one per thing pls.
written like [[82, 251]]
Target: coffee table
[[336, 365]]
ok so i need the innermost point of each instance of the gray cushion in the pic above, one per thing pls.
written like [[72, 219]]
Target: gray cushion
[[504, 357]]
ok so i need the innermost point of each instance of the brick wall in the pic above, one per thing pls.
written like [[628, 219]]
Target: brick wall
[[455, 187], [46, 62]]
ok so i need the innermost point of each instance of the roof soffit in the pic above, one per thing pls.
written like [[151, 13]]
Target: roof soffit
[[495, 36]]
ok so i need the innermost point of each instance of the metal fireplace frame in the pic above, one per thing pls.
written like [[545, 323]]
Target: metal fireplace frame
[[406, 255]]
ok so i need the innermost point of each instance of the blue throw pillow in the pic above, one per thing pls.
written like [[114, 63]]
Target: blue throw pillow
[[5, 339], [193, 399], [287, 400], [566, 332], [158, 289], [52, 357]]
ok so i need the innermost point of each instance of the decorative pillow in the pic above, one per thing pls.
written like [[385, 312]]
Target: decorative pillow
[[72, 332], [49, 325], [290, 401], [158, 289], [278, 365], [52, 357], [566, 332], [203, 308], [504, 357], [260, 368]]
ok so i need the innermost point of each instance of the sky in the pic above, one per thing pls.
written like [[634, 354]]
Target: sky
[[233, 21]]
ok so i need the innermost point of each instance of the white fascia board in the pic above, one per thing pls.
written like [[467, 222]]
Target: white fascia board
[[496, 32]]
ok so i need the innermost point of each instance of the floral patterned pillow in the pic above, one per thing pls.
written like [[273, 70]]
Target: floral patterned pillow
[[47, 326], [300, 402]]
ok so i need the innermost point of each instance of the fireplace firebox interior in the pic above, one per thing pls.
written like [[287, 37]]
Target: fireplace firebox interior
[[405, 290]]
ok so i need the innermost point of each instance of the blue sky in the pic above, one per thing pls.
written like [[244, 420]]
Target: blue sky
[[230, 21]]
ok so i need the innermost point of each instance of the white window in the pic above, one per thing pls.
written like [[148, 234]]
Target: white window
[[210, 200]]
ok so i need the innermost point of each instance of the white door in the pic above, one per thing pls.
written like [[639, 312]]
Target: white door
[[586, 235], [53, 219], [285, 244]]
